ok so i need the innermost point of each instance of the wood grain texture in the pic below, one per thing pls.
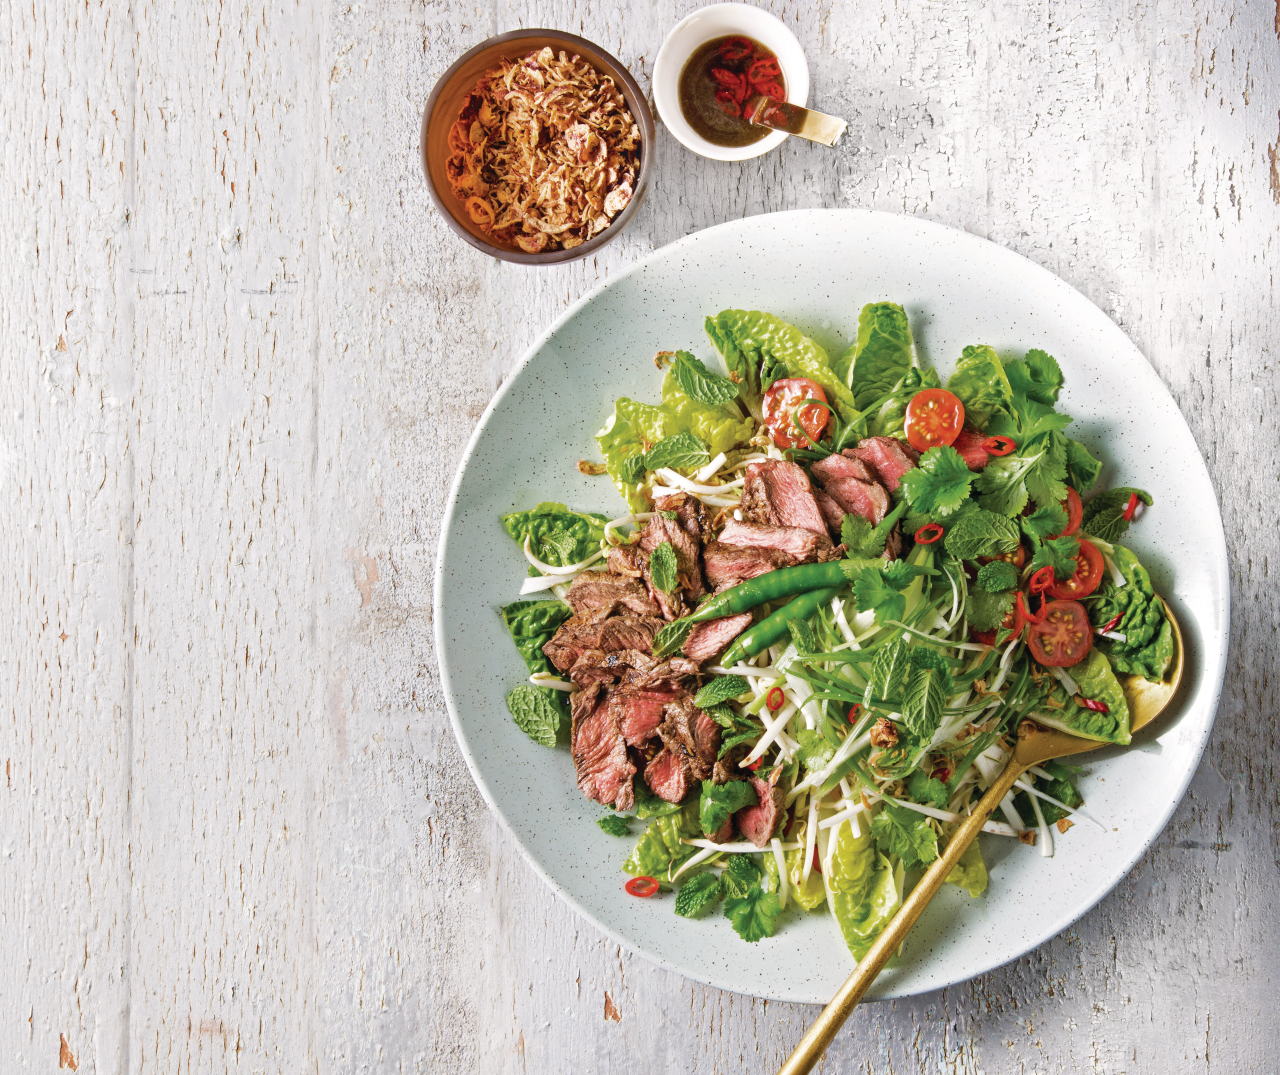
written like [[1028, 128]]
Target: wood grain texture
[[240, 358]]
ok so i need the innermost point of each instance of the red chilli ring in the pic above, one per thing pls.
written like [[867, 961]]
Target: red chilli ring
[[1041, 580], [775, 699], [998, 446], [929, 533], [644, 887]]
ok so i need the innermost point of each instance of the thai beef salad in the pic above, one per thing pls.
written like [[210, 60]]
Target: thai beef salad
[[803, 653]]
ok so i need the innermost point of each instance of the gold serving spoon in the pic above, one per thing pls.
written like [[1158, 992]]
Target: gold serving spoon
[[1147, 700]]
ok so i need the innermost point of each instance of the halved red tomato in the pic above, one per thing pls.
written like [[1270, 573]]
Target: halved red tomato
[[934, 418], [1064, 637], [785, 398], [1013, 622], [1075, 512], [1018, 557], [1088, 576]]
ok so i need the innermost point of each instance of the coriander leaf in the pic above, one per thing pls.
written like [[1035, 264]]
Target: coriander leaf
[[1082, 468], [925, 696], [905, 833], [860, 539], [940, 483], [698, 895], [755, 915], [680, 450], [662, 567], [925, 789], [986, 611], [1104, 514], [1037, 378], [899, 573], [535, 713], [981, 533], [1044, 522], [1058, 553], [802, 637], [997, 576], [614, 825], [815, 750], [671, 637], [871, 592], [1044, 479], [1001, 487], [720, 800], [721, 689], [889, 669], [701, 384]]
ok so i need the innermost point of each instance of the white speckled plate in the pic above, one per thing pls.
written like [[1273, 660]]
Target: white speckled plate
[[816, 269]]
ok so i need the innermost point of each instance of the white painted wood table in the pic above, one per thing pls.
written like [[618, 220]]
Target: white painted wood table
[[240, 356]]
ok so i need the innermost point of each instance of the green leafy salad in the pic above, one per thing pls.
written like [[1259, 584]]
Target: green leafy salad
[[796, 661]]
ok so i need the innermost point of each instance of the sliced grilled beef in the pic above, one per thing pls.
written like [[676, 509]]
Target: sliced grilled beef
[[839, 467], [970, 446], [601, 589], [669, 775], [596, 629], [709, 639], [640, 712], [627, 560], [868, 499], [596, 666], [888, 458], [779, 493], [832, 513], [672, 674], [687, 546], [893, 543], [605, 773], [726, 832], [727, 564], [687, 730], [758, 823], [806, 546], [691, 513]]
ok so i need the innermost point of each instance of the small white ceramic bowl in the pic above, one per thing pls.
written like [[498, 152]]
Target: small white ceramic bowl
[[718, 20]]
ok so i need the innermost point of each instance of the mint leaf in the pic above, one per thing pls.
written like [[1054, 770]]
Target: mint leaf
[[926, 694], [889, 669], [721, 689], [680, 451], [721, 714], [535, 713], [662, 567], [720, 800], [925, 789], [905, 833], [940, 484], [1044, 522], [997, 576], [699, 383], [860, 538], [698, 895], [871, 592], [1060, 553], [981, 533], [1104, 514], [631, 469], [986, 611], [671, 637], [614, 825], [740, 876]]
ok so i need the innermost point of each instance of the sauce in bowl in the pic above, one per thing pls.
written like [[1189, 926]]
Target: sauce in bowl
[[721, 76]]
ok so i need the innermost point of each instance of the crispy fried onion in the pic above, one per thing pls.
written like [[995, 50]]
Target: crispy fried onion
[[544, 153]]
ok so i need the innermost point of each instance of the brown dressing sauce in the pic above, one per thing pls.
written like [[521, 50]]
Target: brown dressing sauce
[[709, 101]]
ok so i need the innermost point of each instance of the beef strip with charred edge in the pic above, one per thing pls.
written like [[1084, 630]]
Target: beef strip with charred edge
[[779, 493], [805, 546], [758, 823], [601, 589], [727, 565], [888, 458], [597, 629], [640, 711], [709, 639], [604, 770], [688, 731], [669, 776], [848, 482]]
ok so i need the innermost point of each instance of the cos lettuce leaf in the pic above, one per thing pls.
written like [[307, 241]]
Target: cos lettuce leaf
[[532, 625], [1097, 681], [881, 355], [758, 348], [970, 873], [808, 894], [659, 850], [981, 385], [1148, 649], [556, 534], [866, 890]]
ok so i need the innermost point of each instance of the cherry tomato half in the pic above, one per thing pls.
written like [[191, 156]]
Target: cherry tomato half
[[1013, 622], [1075, 512], [1017, 558], [1063, 637], [644, 887], [934, 418], [1088, 576], [786, 397]]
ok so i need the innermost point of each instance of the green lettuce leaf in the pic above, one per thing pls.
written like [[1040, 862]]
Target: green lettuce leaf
[[970, 873], [1148, 649], [532, 625], [1097, 681], [659, 850], [622, 445], [809, 894], [755, 344], [556, 534], [981, 385], [866, 890], [879, 358]]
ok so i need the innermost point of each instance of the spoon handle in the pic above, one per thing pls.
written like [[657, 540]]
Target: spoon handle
[[827, 1025]]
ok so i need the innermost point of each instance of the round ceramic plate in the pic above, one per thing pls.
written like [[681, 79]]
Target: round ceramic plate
[[816, 269]]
